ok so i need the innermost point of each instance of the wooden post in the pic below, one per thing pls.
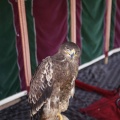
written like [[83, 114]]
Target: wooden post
[[25, 42], [107, 31], [73, 20]]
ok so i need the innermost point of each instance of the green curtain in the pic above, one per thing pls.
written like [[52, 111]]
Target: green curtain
[[9, 76], [92, 29]]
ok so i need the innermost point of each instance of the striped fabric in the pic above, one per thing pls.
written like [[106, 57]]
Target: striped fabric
[[48, 27]]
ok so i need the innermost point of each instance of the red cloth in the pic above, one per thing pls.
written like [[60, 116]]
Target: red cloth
[[90, 88], [107, 108], [104, 109]]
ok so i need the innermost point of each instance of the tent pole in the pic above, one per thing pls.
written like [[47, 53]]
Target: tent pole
[[73, 20], [107, 31], [25, 42]]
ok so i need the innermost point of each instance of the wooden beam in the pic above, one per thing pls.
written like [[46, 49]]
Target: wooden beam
[[9, 101], [10, 104], [107, 31], [73, 20], [25, 42]]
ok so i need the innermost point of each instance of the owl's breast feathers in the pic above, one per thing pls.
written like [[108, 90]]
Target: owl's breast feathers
[[65, 73]]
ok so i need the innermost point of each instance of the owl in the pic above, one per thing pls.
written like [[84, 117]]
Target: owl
[[53, 83]]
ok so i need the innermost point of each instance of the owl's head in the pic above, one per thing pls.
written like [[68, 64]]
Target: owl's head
[[70, 50]]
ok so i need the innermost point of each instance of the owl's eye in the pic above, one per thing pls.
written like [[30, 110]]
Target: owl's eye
[[67, 51], [66, 48], [77, 52]]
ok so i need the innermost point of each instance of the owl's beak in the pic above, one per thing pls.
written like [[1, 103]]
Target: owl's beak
[[72, 53]]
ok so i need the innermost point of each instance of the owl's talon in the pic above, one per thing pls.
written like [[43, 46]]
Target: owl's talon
[[59, 116]]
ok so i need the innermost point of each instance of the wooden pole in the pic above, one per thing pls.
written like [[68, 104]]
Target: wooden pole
[[73, 20], [107, 31], [25, 42]]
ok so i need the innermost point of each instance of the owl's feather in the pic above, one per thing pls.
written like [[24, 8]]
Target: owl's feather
[[41, 85], [53, 83]]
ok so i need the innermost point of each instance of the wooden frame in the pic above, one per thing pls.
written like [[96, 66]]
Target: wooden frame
[[73, 20], [107, 30], [25, 42]]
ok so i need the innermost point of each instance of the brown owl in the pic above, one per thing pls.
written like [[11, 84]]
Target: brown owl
[[53, 83]]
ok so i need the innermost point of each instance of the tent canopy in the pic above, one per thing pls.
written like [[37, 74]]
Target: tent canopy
[[48, 26]]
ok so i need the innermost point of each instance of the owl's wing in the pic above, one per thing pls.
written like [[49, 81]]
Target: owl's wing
[[41, 85]]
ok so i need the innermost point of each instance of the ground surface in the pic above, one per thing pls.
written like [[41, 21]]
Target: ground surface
[[98, 74]]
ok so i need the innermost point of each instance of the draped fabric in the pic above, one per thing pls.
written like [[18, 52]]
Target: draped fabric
[[51, 26], [48, 24], [9, 75], [117, 25], [92, 29]]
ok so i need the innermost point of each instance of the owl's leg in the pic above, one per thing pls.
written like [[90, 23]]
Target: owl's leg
[[64, 117], [59, 116], [48, 107]]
